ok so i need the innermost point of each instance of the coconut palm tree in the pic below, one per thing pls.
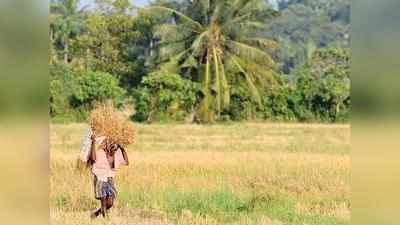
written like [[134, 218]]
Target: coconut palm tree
[[213, 40], [64, 22]]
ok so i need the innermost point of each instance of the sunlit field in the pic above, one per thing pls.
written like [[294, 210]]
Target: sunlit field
[[244, 173]]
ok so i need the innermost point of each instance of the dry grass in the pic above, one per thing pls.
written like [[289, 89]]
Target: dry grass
[[220, 174], [108, 121]]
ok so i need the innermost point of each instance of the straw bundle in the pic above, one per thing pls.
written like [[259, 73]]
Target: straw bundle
[[107, 121]]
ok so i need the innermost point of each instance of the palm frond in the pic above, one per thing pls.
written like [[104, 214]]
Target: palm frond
[[190, 62], [225, 86], [172, 66], [253, 89], [169, 51], [171, 33], [198, 44], [218, 12], [250, 53], [254, 25], [235, 21], [238, 5], [247, 7], [263, 43], [265, 77], [246, 29], [173, 11], [250, 6]]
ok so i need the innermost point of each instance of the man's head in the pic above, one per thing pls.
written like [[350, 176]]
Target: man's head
[[113, 148], [110, 146]]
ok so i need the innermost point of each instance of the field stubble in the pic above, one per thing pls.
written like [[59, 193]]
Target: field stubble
[[245, 173]]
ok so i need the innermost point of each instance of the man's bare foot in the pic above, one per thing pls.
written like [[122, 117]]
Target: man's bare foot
[[93, 215]]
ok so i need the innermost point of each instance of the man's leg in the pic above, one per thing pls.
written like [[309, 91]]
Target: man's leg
[[109, 202], [96, 213], [103, 206]]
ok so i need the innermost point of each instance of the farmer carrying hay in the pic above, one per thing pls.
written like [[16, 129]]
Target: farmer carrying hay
[[110, 132]]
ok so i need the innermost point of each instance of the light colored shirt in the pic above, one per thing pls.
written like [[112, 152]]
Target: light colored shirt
[[102, 168]]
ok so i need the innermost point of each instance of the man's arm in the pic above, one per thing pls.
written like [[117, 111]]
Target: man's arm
[[92, 155], [124, 154]]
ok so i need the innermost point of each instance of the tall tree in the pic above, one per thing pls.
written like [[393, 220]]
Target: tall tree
[[115, 41], [66, 17], [206, 38], [323, 23]]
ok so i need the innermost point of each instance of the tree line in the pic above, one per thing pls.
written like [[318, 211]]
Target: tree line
[[202, 60]]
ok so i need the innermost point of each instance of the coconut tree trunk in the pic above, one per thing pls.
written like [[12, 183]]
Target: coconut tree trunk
[[53, 54], [51, 35], [87, 59], [66, 50], [151, 48], [337, 110]]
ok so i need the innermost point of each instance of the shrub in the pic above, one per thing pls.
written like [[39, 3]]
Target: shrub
[[72, 92], [325, 84], [62, 84], [319, 91], [96, 87], [165, 97], [241, 106], [286, 103]]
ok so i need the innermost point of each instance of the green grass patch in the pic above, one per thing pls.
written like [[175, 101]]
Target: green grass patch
[[224, 205]]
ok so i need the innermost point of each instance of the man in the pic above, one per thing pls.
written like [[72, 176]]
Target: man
[[105, 158]]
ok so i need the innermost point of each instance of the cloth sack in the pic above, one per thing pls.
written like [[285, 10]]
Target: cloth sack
[[87, 144]]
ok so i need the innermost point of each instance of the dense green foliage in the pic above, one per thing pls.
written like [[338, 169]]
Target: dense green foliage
[[73, 92], [202, 60], [62, 84], [165, 97], [319, 91], [95, 87]]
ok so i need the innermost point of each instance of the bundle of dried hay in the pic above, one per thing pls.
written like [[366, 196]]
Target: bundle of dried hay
[[107, 121]]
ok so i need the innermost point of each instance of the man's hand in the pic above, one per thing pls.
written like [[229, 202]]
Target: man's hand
[[113, 147]]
